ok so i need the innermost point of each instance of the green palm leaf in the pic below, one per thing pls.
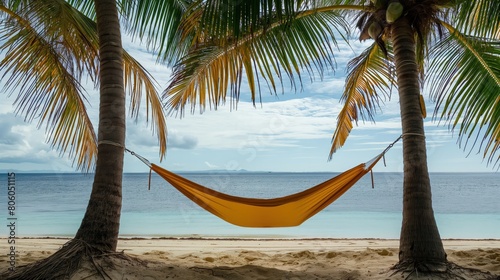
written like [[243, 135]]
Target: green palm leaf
[[466, 85], [212, 69], [156, 22], [224, 17], [63, 49], [138, 80], [41, 68], [370, 76], [478, 18], [83, 6]]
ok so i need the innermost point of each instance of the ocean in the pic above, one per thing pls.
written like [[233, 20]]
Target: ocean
[[466, 205]]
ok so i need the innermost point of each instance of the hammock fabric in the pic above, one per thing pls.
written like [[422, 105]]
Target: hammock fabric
[[287, 211]]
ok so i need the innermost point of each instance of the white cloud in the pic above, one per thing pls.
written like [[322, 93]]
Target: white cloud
[[211, 166], [182, 141], [275, 124], [22, 144]]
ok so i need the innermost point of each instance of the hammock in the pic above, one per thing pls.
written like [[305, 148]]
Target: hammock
[[287, 211]]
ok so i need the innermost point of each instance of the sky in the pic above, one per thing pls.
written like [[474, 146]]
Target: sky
[[289, 132]]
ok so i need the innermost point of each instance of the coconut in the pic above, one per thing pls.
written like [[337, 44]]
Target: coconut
[[393, 12], [374, 30]]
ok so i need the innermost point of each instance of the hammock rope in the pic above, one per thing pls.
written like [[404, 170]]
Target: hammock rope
[[287, 211]]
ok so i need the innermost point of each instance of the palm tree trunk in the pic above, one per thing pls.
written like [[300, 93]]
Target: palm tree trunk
[[420, 243], [100, 225]]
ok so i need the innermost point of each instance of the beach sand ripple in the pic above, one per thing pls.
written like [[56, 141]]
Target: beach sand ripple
[[264, 259]]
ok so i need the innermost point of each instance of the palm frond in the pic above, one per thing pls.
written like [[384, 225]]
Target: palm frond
[[138, 79], [202, 73], [68, 38], [210, 70], [156, 22], [479, 18], [370, 75], [39, 66], [85, 7], [223, 17], [466, 85]]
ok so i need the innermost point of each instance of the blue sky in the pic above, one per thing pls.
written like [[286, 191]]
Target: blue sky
[[289, 132]]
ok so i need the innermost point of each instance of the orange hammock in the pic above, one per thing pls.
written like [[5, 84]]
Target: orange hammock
[[287, 211]]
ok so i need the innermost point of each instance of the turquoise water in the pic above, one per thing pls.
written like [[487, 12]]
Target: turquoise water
[[466, 205]]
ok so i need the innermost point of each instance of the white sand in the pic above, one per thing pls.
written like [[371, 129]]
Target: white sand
[[265, 258]]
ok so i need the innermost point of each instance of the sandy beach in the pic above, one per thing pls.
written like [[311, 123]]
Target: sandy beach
[[264, 258]]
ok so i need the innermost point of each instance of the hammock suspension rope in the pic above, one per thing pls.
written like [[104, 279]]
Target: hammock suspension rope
[[290, 210]]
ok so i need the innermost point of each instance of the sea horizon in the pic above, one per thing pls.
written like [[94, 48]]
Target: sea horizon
[[230, 171]]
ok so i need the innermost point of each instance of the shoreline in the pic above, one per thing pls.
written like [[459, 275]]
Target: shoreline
[[233, 238], [256, 258], [177, 246]]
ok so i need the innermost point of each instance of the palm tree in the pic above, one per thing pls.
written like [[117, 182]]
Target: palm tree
[[456, 43], [44, 64], [49, 46], [100, 225]]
